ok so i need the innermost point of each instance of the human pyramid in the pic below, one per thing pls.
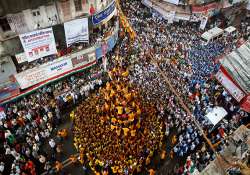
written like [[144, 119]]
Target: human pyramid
[[115, 130]]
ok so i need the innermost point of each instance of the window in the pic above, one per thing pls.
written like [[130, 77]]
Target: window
[[36, 13], [4, 24], [78, 5]]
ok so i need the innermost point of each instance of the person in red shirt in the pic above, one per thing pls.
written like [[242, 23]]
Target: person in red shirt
[[92, 10]]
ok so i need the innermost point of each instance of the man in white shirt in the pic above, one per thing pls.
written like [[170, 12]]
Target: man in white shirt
[[52, 144]]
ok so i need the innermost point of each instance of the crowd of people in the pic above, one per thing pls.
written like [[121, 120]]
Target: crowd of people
[[179, 52], [116, 130], [190, 65], [30, 122]]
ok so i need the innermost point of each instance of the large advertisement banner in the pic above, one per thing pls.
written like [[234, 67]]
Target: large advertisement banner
[[38, 44], [36, 75], [104, 15], [76, 31], [31, 77]]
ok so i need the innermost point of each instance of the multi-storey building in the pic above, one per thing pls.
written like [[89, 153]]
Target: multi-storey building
[[21, 17], [197, 10]]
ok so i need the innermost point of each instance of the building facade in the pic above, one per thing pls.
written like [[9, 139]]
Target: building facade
[[19, 16], [20, 19]]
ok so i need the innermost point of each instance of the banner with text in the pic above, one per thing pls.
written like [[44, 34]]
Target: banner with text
[[76, 31], [83, 58], [36, 75], [207, 10], [38, 44], [105, 14], [203, 23]]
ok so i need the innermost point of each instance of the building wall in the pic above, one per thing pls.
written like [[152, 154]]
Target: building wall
[[41, 16], [7, 68]]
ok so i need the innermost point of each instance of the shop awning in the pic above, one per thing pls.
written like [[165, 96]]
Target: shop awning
[[237, 65]]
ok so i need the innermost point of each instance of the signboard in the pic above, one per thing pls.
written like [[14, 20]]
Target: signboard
[[83, 58], [76, 31], [105, 14], [8, 89], [58, 68], [21, 58], [31, 77], [36, 75], [230, 86], [203, 22], [38, 44], [208, 10]]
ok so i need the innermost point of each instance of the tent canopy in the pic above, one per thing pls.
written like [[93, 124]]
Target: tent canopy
[[212, 33], [230, 29], [216, 115], [237, 65]]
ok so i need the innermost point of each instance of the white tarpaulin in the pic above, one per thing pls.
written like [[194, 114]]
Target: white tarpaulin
[[216, 115], [38, 44], [76, 31]]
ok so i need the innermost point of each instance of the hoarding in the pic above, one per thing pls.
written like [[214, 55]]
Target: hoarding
[[76, 31], [38, 44]]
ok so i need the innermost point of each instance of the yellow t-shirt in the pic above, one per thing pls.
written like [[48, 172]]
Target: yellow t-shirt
[[132, 132], [131, 117], [120, 109], [125, 130], [114, 169], [113, 120]]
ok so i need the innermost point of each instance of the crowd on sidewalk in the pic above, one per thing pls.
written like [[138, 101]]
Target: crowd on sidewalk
[[29, 122]]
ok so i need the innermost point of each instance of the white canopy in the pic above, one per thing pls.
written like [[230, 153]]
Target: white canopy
[[216, 115], [206, 35], [212, 33], [230, 29]]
